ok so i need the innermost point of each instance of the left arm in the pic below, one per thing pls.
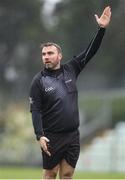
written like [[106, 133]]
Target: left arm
[[92, 48], [83, 58]]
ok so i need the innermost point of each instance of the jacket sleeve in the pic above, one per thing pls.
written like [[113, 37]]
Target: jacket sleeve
[[37, 124], [36, 107], [35, 96], [79, 61]]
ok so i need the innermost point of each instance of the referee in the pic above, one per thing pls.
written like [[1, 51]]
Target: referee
[[54, 104]]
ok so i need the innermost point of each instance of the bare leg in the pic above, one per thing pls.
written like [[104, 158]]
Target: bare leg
[[66, 170], [51, 173]]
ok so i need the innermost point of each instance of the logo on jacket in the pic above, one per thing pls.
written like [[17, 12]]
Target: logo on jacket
[[48, 89]]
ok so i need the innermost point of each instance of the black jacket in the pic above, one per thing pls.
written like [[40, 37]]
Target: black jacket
[[54, 96]]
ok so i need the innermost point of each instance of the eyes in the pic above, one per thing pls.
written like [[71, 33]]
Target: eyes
[[47, 53]]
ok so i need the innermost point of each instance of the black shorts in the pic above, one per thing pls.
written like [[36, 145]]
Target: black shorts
[[62, 146]]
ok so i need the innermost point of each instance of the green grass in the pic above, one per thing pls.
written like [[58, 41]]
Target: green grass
[[36, 173]]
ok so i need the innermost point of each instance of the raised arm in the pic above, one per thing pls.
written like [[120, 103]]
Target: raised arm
[[83, 58]]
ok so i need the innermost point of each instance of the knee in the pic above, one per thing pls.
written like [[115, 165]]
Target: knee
[[49, 175], [66, 175]]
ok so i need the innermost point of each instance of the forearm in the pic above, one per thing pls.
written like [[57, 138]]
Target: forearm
[[92, 48], [37, 124], [38, 129], [94, 45]]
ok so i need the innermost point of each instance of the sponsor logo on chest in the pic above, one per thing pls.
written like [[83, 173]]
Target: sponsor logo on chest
[[48, 89]]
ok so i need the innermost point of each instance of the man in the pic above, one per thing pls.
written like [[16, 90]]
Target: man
[[54, 106]]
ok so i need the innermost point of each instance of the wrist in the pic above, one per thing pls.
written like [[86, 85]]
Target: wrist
[[39, 136], [101, 27]]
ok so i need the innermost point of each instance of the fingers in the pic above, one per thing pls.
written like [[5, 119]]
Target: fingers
[[47, 152], [45, 138], [44, 145], [97, 18], [45, 149], [107, 11]]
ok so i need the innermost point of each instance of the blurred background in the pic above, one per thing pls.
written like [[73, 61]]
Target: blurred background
[[71, 24]]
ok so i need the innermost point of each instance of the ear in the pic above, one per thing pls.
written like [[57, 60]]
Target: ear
[[60, 56]]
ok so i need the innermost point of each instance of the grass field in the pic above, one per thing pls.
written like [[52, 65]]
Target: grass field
[[35, 173]]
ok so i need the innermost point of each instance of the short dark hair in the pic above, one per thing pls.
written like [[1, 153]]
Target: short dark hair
[[42, 45]]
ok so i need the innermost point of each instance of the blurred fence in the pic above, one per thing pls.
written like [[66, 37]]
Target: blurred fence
[[106, 152], [102, 131]]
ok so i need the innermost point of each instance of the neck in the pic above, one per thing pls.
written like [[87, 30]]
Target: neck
[[57, 66], [53, 72]]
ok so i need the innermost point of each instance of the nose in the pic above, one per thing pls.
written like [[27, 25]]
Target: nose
[[46, 56]]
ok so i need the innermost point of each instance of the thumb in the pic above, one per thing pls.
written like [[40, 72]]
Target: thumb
[[45, 138], [96, 17]]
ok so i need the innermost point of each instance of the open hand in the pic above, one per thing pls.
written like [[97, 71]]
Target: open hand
[[44, 145], [104, 19]]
